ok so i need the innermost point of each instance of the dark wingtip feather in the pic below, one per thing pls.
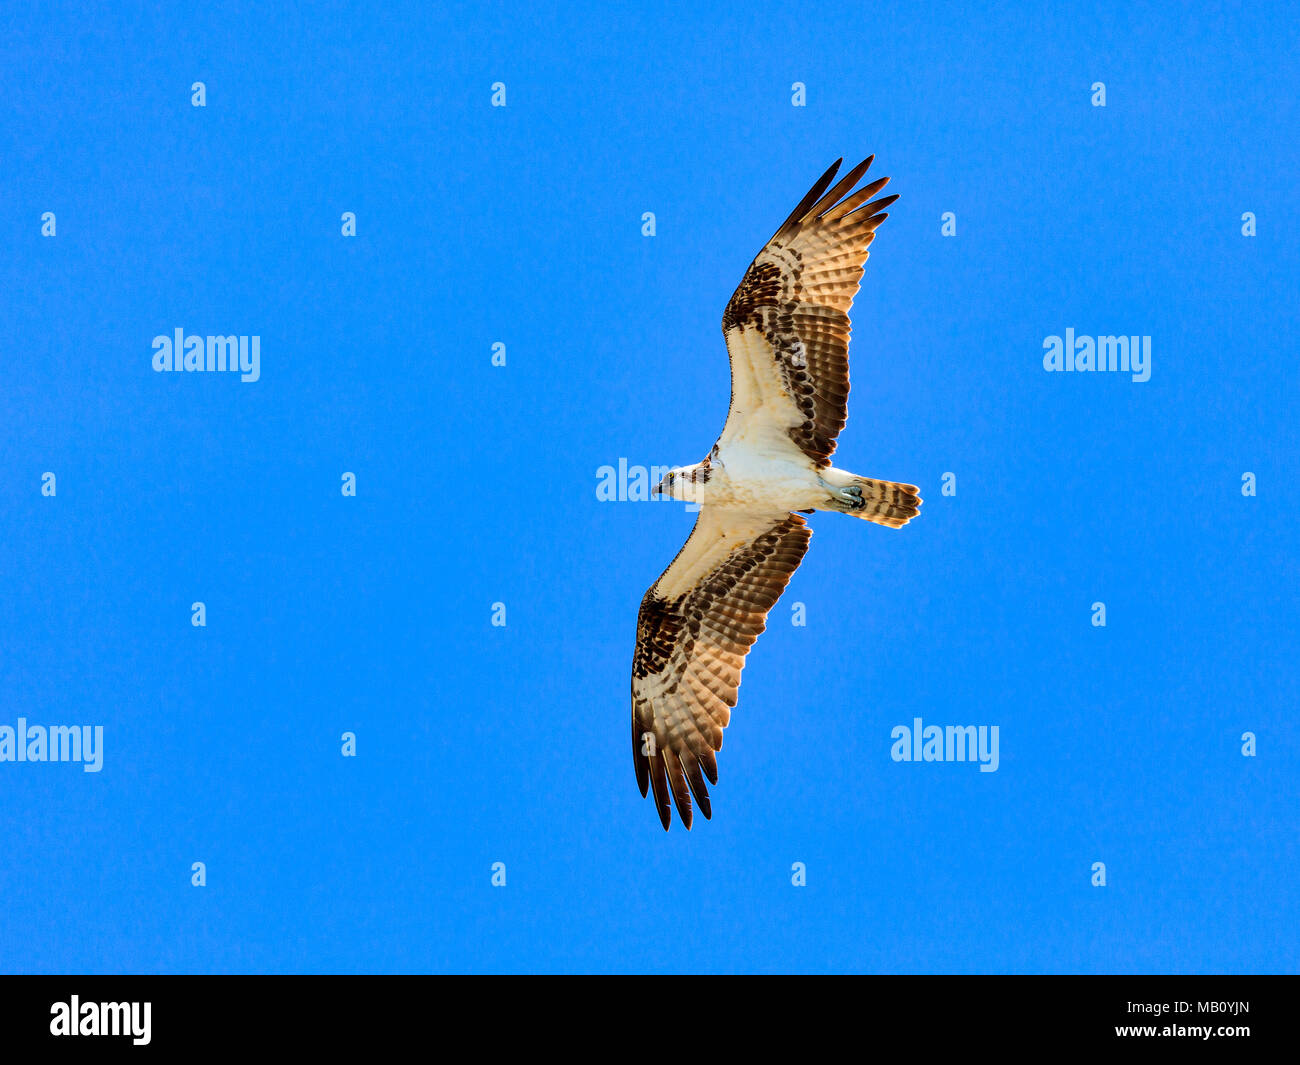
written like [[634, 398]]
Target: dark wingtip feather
[[696, 780], [851, 203], [844, 185], [659, 779], [814, 194], [681, 794], [639, 760], [710, 764], [872, 209]]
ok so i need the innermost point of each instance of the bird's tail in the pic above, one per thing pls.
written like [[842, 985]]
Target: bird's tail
[[883, 502]]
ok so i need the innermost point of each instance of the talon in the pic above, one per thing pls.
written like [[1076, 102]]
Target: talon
[[850, 497]]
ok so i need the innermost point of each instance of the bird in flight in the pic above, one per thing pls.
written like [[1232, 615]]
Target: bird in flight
[[787, 334]]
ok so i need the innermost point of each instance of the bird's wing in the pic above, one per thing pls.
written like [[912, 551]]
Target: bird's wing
[[787, 324], [697, 623]]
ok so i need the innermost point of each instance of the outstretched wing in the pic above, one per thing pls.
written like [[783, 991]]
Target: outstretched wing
[[787, 325], [697, 623]]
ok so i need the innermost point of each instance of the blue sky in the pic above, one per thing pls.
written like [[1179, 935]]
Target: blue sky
[[476, 484]]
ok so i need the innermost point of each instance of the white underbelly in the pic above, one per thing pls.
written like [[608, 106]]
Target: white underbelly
[[746, 477]]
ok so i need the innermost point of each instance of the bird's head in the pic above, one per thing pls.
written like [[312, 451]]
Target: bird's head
[[682, 483], [667, 483]]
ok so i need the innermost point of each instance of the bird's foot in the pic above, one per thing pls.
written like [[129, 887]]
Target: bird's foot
[[850, 497]]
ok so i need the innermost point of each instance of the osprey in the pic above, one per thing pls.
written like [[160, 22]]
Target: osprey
[[787, 334]]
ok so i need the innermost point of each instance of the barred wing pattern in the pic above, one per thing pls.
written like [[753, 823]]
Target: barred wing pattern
[[787, 324], [696, 624]]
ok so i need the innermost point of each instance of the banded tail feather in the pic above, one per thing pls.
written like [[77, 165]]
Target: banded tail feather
[[885, 503]]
